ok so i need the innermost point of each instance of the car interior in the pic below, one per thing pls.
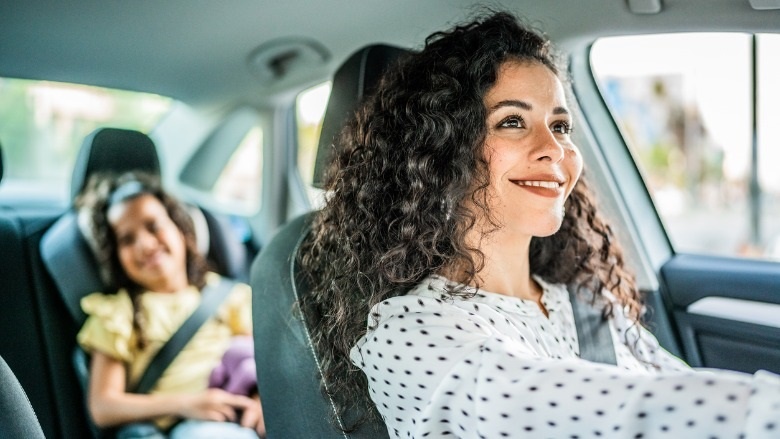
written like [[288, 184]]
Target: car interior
[[236, 108]]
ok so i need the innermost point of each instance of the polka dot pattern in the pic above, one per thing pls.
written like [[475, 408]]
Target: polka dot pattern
[[494, 366]]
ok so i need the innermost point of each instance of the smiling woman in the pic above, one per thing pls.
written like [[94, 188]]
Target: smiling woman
[[460, 250]]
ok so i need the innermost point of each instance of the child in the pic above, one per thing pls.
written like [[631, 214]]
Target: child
[[145, 244]]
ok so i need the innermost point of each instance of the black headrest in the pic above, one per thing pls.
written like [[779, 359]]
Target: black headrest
[[113, 150], [355, 79], [1, 163]]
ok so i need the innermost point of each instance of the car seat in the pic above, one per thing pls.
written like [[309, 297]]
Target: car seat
[[289, 377], [17, 418], [65, 247]]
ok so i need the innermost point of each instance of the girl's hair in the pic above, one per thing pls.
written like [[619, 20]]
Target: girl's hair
[[104, 190], [406, 162]]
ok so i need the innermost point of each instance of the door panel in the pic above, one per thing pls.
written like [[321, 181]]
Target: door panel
[[740, 333]]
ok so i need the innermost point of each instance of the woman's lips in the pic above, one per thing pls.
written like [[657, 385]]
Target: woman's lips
[[550, 188]]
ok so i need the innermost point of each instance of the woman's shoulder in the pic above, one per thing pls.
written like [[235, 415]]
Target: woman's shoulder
[[438, 297]]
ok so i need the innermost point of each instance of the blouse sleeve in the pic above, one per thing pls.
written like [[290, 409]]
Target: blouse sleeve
[[109, 325], [435, 369]]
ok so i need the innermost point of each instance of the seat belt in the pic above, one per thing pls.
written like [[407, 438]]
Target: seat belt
[[593, 334], [212, 297]]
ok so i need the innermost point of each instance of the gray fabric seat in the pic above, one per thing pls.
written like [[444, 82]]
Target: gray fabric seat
[[17, 417], [288, 370]]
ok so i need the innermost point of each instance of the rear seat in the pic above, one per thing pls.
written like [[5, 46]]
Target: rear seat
[[31, 322]]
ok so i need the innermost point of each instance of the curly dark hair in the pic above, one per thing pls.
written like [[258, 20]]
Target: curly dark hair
[[103, 190], [406, 162]]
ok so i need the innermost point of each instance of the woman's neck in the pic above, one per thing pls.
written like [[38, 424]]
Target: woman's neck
[[507, 268]]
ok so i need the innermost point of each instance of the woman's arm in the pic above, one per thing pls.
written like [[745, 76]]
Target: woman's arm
[[437, 369], [110, 404]]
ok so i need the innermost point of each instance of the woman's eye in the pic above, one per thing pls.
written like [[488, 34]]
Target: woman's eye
[[562, 128], [512, 122]]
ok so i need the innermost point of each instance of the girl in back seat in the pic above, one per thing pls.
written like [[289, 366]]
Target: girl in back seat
[[145, 243]]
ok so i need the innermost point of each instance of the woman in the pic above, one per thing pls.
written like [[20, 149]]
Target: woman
[[146, 245], [456, 219]]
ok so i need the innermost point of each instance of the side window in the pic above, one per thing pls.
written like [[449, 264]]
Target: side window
[[43, 124], [240, 183], [697, 113], [225, 172], [309, 112]]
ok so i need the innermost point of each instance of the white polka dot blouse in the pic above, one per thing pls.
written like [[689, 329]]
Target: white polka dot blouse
[[494, 366]]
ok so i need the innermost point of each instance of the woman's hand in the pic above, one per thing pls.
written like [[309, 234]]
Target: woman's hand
[[216, 405]]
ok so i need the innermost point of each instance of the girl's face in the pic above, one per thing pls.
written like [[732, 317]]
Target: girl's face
[[533, 164], [150, 247]]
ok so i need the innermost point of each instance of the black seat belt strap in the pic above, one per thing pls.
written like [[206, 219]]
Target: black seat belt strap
[[213, 296], [595, 338]]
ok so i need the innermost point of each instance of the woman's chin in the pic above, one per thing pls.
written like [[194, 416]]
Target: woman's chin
[[548, 229]]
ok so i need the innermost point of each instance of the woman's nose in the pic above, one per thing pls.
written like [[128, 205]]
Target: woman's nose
[[547, 146]]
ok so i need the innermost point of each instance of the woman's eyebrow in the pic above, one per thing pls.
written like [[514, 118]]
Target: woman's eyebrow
[[524, 105], [511, 103]]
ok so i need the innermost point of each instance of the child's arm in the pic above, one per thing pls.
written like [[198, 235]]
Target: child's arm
[[110, 404]]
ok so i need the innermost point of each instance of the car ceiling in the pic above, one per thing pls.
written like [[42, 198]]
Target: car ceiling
[[197, 50]]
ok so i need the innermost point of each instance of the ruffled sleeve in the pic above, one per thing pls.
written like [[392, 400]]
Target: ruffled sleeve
[[109, 325]]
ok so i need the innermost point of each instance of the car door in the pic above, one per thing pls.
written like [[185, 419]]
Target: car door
[[678, 128]]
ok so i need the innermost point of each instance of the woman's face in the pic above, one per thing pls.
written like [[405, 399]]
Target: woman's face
[[533, 164], [150, 247]]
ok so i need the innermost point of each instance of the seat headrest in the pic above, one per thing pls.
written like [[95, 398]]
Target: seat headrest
[[1, 163], [357, 78], [113, 150]]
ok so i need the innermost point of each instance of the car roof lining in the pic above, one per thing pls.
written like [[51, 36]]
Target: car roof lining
[[150, 46]]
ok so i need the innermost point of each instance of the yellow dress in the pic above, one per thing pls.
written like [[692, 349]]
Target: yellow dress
[[109, 330]]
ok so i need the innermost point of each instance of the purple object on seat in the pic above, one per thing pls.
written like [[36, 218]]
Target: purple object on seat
[[236, 373]]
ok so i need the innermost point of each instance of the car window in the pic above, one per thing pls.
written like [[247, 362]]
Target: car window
[[309, 112], [685, 105], [240, 183], [43, 124]]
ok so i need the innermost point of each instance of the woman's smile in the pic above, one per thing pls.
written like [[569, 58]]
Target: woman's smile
[[551, 186]]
